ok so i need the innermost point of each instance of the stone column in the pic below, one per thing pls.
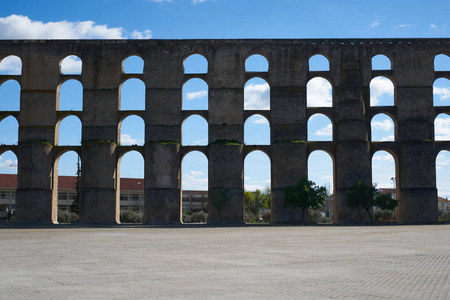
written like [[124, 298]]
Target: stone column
[[416, 180], [353, 160], [36, 200], [163, 76], [226, 133], [101, 78]]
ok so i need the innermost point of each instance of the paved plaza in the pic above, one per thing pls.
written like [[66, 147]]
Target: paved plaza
[[259, 262]]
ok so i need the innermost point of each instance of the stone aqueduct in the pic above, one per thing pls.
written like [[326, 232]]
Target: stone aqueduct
[[350, 73]]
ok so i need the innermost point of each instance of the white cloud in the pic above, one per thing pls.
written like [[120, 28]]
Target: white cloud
[[259, 120], [442, 92], [203, 141], [138, 35], [195, 95], [11, 65], [7, 164], [441, 160], [195, 180], [402, 26], [374, 24], [385, 125], [327, 130], [257, 96], [378, 87], [434, 26], [254, 187], [71, 65], [22, 27], [442, 129], [386, 157], [198, 1], [160, 1], [319, 93], [389, 138], [126, 139]]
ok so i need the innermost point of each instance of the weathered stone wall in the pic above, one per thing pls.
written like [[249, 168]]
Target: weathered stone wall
[[351, 149]]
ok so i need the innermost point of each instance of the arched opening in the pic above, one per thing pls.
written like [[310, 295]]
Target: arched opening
[[256, 94], [11, 65], [441, 92], [133, 65], [381, 91], [442, 62], [257, 131], [132, 131], [442, 128], [195, 64], [194, 186], [195, 95], [8, 185], [194, 131], [384, 178], [319, 62], [132, 95], [319, 93], [71, 95], [9, 127], [256, 63], [320, 171], [381, 62], [68, 170], [71, 65], [69, 131], [10, 96], [320, 128], [443, 184], [131, 188], [257, 185], [383, 128]]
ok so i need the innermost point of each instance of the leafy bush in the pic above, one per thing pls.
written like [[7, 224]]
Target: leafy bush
[[315, 216], [130, 216], [67, 217], [195, 217], [266, 216], [382, 215], [444, 215]]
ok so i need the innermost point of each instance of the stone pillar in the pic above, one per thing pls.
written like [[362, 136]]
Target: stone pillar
[[36, 199], [101, 78], [417, 162], [353, 160], [288, 80], [226, 134], [163, 75]]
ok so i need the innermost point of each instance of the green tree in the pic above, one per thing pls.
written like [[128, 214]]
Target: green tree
[[75, 206], [385, 202], [255, 202], [361, 196], [305, 194], [219, 200]]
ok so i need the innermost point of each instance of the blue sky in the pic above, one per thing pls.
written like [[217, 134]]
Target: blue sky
[[221, 19]]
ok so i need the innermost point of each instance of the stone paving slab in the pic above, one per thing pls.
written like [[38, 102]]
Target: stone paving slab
[[127, 262]]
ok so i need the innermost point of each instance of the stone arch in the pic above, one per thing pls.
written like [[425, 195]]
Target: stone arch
[[320, 128], [195, 94], [132, 130], [319, 92], [383, 128], [11, 65], [256, 63], [443, 174], [133, 64], [442, 127], [442, 62], [8, 167], [68, 131], [9, 127], [132, 94], [10, 95], [70, 95], [66, 167], [130, 189], [382, 91], [195, 64], [194, 177], [381, 62], [71, 65], [194, 131], [321, 166], [256, 94], [441, 92], [256, 130], [319, 62]]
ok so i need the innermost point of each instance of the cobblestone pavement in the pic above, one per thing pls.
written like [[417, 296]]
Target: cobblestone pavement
[[387, 262]]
